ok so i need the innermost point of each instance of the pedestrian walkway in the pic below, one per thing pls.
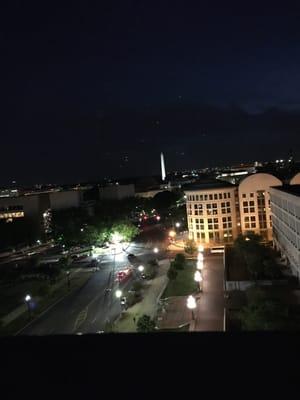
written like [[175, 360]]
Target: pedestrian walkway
[[148, 306], [209, 314]]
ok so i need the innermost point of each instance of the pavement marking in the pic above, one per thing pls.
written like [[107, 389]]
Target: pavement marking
[[80, 319]]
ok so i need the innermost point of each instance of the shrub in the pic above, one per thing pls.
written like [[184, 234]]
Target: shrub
[[190, 247], [145, 324]]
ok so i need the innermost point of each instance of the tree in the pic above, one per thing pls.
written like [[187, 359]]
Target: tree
[[126, 229], [262, 313], [190, 247], [172, 273], [162, 201], [145, 324]]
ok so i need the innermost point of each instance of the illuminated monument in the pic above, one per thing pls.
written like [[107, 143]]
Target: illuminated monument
[[163, 169]]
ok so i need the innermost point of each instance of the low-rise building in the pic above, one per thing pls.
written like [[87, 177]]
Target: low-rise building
[[116, 192]]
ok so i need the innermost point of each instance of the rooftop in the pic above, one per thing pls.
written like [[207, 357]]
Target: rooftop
[[208, 186], [291, 189]]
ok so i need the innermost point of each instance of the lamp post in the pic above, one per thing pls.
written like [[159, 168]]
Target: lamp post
[[27, 301], [198, 278], [191, 305], [68, 279]]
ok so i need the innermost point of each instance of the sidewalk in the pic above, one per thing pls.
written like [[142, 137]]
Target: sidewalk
[[148, 305], [209, 314]]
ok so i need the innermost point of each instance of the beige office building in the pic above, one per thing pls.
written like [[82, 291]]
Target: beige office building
[[211, 212], [217, 212], [254, 201]]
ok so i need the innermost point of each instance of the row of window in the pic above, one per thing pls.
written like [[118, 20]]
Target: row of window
[[212, 196], [214, 235], [6, 215]]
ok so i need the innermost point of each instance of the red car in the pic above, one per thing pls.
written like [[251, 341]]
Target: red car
[[123, 275]]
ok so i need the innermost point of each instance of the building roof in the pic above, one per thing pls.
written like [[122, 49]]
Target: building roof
[[208, 186], [291, 189]]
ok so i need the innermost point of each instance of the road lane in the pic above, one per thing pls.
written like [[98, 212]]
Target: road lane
[[61, 319]]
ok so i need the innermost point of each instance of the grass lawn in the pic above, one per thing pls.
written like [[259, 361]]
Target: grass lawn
[[184, 284]]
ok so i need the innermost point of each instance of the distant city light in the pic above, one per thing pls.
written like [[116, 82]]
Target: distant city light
[[177, 224]]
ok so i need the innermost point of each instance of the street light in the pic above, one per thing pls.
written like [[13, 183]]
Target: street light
[[155, 250], [172, 234], [177, 224], [141, 268], [198, 278], [118, 293], [191, 304], [27, 301], [68, 279], [199, 265], [200, 257], [201, 248]]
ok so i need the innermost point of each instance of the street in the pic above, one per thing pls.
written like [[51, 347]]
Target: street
[[89, 308]]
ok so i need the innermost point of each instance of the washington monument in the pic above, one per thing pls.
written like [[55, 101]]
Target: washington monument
[[163, 169]]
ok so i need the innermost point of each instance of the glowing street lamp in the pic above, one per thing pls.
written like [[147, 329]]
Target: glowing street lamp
[[199, 265], [155, 250], [116, 237], [191, 304], [172, 234], [200, 257], [118, 293], [27, 301], [198, 278], [177, 224], [201, 248], [141, 268]]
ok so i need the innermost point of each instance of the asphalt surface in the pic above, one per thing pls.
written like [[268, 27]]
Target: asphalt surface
[[89, 308]]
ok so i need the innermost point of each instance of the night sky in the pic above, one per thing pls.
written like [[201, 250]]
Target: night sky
[[93, 91]]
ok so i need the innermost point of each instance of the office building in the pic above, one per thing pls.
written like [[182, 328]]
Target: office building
[[218, 211], [285, 205], [212, 212]]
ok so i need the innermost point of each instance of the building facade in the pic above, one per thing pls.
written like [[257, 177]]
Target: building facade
[[212, 212], [116, 192], [219, 211], [254, 202], [285, 205]]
